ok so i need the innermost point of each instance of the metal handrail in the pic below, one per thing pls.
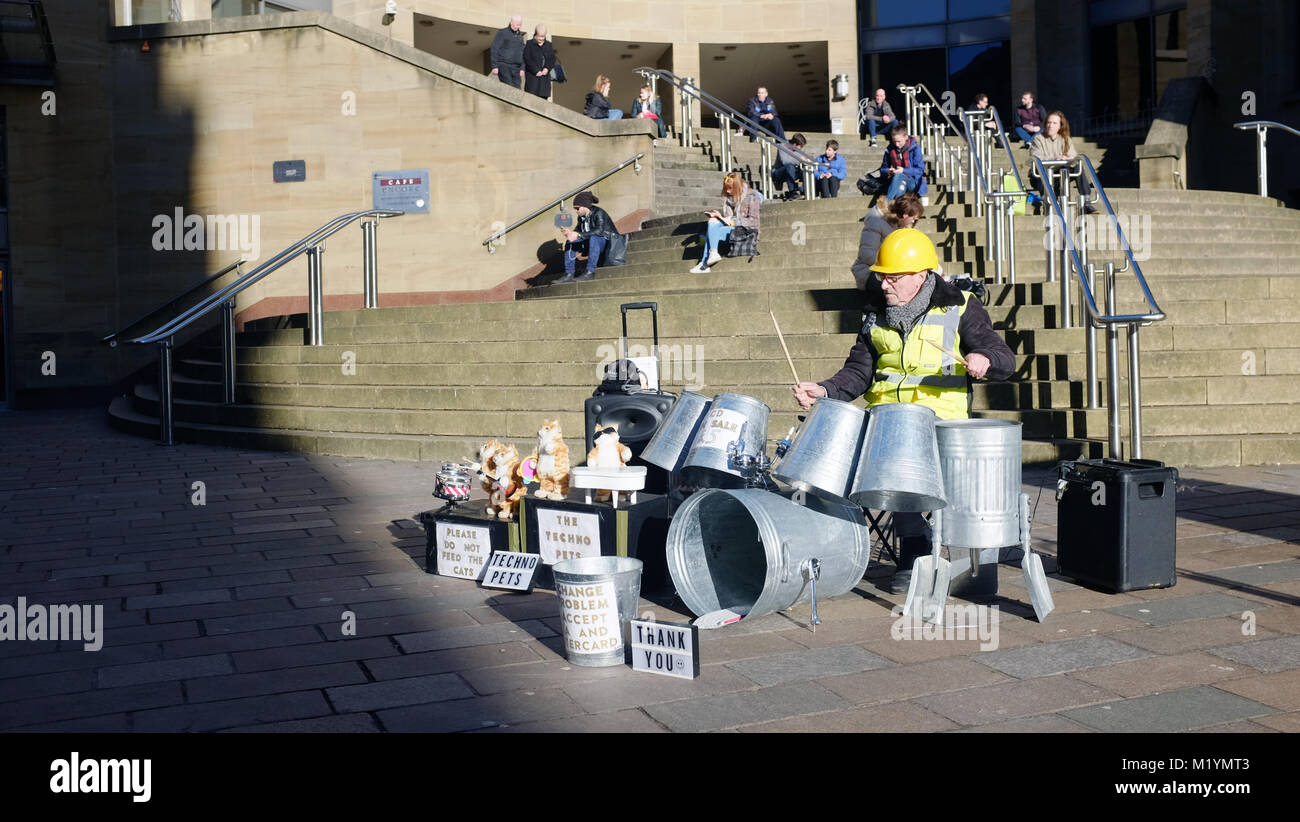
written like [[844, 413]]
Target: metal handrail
[[946, 160], [999, 225], [490, 242], [312, 240], [725, 114], [935, 103], [313, 245], [111, 339], [1261, 136], [1111, 320], [1001, 134]]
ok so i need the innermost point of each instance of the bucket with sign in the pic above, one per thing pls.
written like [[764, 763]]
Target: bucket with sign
[[598, 599]]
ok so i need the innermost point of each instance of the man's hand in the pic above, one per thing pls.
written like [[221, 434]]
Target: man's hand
[[806, 392], [885, 118], [977, 365], [494, 70]]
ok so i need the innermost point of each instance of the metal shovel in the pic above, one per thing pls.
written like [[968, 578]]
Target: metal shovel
[[1032, 567], [928, 592]]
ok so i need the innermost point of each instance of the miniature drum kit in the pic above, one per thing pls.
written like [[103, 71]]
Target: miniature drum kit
[[452, 482], [742, 547]]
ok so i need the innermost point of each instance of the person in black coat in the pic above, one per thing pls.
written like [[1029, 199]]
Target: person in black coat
[[508, 53], [597, 104], [539, 59]]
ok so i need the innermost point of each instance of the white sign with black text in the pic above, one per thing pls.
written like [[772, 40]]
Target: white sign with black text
[[665, 648], [510, 569], [565, 535], [462, 549]]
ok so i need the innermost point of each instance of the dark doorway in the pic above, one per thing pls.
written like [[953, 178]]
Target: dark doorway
[[6, 297]]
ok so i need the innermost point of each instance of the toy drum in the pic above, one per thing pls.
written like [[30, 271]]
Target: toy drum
[[452, 482]]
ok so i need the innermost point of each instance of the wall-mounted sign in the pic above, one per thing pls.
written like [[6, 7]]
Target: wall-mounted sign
[[589, 613], [462, 549], [564, 219], [565, 535], [511, 569], [289, 171], [665, 648], [406, 190]]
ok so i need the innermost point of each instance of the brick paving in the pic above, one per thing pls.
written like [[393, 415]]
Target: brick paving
[[227, 616]]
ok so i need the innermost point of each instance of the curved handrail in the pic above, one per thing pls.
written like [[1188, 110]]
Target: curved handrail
[[1096, 317], [719, 106], [212, 301], [1006, 145], [490, 241], [1266, 124], [935, 103], [111, 339]]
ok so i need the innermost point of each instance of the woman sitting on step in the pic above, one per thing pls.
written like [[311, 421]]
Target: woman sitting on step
[[737, 223], [903, 212], [1053, 143]]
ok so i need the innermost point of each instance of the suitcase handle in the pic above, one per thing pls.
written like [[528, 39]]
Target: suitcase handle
[[654, 319]]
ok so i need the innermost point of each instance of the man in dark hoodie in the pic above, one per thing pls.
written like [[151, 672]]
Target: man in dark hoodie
[[910, 310]]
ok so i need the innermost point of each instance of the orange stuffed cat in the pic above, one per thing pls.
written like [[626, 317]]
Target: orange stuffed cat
[[505, 485], [551, 459]]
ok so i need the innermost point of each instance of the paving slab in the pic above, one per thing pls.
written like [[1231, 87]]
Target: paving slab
[[1047, 724], [631, 721], [345, 724], [1195, 635], [1280, 690], [630, 689], [902, 682], [1014, 699], [465, 660], [810, 664], [1164, 673], [1269, 655], [1049, 658], [1182, 609], [895, 717], [744, 708], [1257, 574], [480, 712], [1182, 710], [416, 690]]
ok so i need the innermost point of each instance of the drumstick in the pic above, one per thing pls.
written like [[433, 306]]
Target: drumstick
[[958, 357], [784, 348]]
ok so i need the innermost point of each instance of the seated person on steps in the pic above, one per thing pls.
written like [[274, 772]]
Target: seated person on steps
[[903, 165], [737, 223], [787, 170], [591, 234], [831, 171]]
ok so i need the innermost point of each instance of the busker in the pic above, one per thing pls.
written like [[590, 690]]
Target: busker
[[907, 302]]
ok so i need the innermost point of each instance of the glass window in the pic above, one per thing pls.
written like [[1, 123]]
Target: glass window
[[887, 13], [983, 68], [902, 39], [966, 9]]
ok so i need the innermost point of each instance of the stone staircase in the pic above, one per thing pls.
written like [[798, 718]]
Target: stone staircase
[[1219, 382]]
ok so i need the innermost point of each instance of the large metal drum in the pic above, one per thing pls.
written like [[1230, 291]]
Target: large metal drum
[[981, 467], [672, 440], [898, 466], [731, 418], [746, 550], [824, 452]]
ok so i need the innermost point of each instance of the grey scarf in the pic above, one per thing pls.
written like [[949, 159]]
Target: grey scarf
[[903, 317]]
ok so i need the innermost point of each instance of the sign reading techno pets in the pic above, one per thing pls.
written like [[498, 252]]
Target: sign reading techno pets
[[511, 570], [565, 535]]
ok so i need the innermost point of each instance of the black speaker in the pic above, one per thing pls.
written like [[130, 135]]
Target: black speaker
[[637, 415]]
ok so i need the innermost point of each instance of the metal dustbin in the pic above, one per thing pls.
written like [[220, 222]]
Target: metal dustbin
[[598, 599]]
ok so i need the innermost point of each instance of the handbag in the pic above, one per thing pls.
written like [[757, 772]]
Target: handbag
[[742, 242], [557, 73], [616, 250], [871, 183]]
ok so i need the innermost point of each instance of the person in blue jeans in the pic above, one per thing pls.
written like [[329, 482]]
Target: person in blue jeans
[[597, 104], [1031, 118], [787, 170], [903, 164], [762, 110], [591, 235], [831, 170], [740, 212]]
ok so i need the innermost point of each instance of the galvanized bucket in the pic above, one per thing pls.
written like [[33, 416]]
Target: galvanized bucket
[[980, 462], [824, 452], [598, 597], [748, 550], [731, 418], [672, 440], [898, 466]]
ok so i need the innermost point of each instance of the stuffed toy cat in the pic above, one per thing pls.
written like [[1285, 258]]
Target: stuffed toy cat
[[507, 487], [486, 452], [607, 453], [551, 462]]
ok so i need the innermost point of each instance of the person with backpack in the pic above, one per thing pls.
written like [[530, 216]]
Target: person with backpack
[[594, 233]]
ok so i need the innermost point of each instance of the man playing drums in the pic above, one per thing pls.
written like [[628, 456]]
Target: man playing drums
[[911, 314]]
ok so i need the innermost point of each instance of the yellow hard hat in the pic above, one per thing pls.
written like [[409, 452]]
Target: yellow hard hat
[[905, 251]]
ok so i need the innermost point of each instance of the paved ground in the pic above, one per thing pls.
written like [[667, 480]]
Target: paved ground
[[227, 615]]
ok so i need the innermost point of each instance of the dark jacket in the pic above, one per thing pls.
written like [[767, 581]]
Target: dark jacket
[[759, 107], [976, 332], [537, 58], [597, 222], [508, 50], [597, 107], [655, 106], [911, 160], [1037, 115]]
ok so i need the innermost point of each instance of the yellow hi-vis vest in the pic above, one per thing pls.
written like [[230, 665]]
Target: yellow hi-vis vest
[[912, 371]]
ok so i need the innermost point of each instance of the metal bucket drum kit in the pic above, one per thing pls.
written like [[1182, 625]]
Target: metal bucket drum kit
[[738, 550]]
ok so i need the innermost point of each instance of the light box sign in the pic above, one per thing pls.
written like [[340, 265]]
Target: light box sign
[[565, 535], [665, 648], [462, 549], [406, 190], [512, 570]]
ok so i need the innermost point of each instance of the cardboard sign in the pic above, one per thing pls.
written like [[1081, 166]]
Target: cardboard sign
[[665, 648], [566, 535], [510, 569], [589, 614], [721, 426], [462, 549]]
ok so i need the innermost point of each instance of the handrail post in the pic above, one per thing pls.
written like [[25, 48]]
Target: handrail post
[[1262, 164], [166, 430], [967, 119], [1134, 394], [228, 352], [1090, 344], [1000, 250], [1067, 215], [765, 172], [1112, 367], [724, 141], [1011, 242], [315, 295], [809, 183], [370, 262], [1050, 211]]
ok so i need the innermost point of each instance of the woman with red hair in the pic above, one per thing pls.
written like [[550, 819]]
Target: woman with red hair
[[737, 222]]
